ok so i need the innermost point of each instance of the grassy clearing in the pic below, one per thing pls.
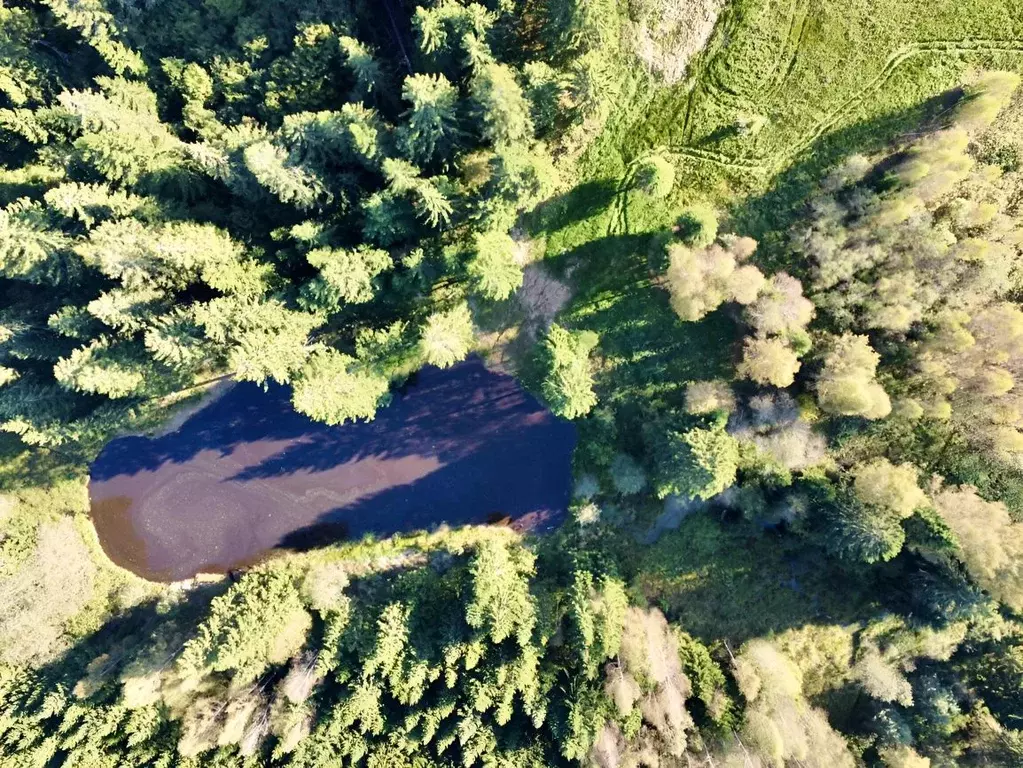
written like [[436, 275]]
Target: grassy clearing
[[607, 243], [821, 80], [813, 81], [779, 74]]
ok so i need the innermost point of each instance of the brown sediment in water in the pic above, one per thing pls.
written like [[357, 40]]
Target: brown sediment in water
[[112, 517], [246, 475]]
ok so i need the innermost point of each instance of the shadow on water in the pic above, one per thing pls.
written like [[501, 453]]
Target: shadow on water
[[247, 474]]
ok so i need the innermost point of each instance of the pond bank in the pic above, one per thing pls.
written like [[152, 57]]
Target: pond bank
[[246, 475]]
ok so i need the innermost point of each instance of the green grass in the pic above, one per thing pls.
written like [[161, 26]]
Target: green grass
[[608, 243], [810, 70], [831, 78], [810, 67]]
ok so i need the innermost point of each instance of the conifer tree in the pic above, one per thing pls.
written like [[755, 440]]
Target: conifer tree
[[346, 277], [568, 383], [258, 340], [698, 464], [334, 389], [503, 111], [431, 126], [494, 267], [291, 184], [364, 65], [447, 336]]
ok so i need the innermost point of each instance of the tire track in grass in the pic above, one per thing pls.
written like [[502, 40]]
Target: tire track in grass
[[790, 49], [783, 64], [894, 61]]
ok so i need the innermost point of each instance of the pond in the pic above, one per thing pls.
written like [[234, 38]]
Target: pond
[[247, 475]]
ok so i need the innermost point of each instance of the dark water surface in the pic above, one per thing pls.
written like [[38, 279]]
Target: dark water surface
[[247, 474]]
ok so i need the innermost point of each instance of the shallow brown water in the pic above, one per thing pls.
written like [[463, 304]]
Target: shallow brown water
[[247, 474]]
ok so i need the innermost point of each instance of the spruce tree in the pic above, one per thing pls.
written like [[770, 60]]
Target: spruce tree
[[568, 383]]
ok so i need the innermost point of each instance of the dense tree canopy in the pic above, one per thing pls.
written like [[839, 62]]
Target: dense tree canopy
[[211, 205], [795, 532]]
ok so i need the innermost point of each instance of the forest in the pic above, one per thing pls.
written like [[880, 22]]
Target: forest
[[767, 260]]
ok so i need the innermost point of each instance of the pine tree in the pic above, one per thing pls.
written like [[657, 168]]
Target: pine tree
[[427, 195], [503, 112], [106, 368], [258, 622], [346, 277], [494, 266], [431, 124], [364, 65], [501, 606], [544, 89], [122, 136], [334, 389], [865, 533], [258, 340], [31, 248], [447, 336], [100, 29], [655, 176], [700, 463], [291, 184], [568, 384]]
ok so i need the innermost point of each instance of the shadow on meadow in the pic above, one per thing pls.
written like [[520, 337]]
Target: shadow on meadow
[[769, 215]]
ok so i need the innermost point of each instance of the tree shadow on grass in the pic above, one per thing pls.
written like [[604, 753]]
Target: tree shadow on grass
[[123, 639], [729, 581], [582, 202], [649, 352], [769, 216]]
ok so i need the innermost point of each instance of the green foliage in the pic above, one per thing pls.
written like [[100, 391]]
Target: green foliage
[[698, 464], [447, 336], [698, 226], [501, 605], [262, 340], [53, 581], [346, 277], [442, 648], [101, 369], [882, 484], [291, 184], [846, 385], [707, 679], [349, 211], [568, 383], [259, 621], [627, 475], [780, 724], [494, 267], [700, 280], [656, 176], [333, 389], [288, 136], [769, 361], [432, 127], [503, 111], [864, 533]]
